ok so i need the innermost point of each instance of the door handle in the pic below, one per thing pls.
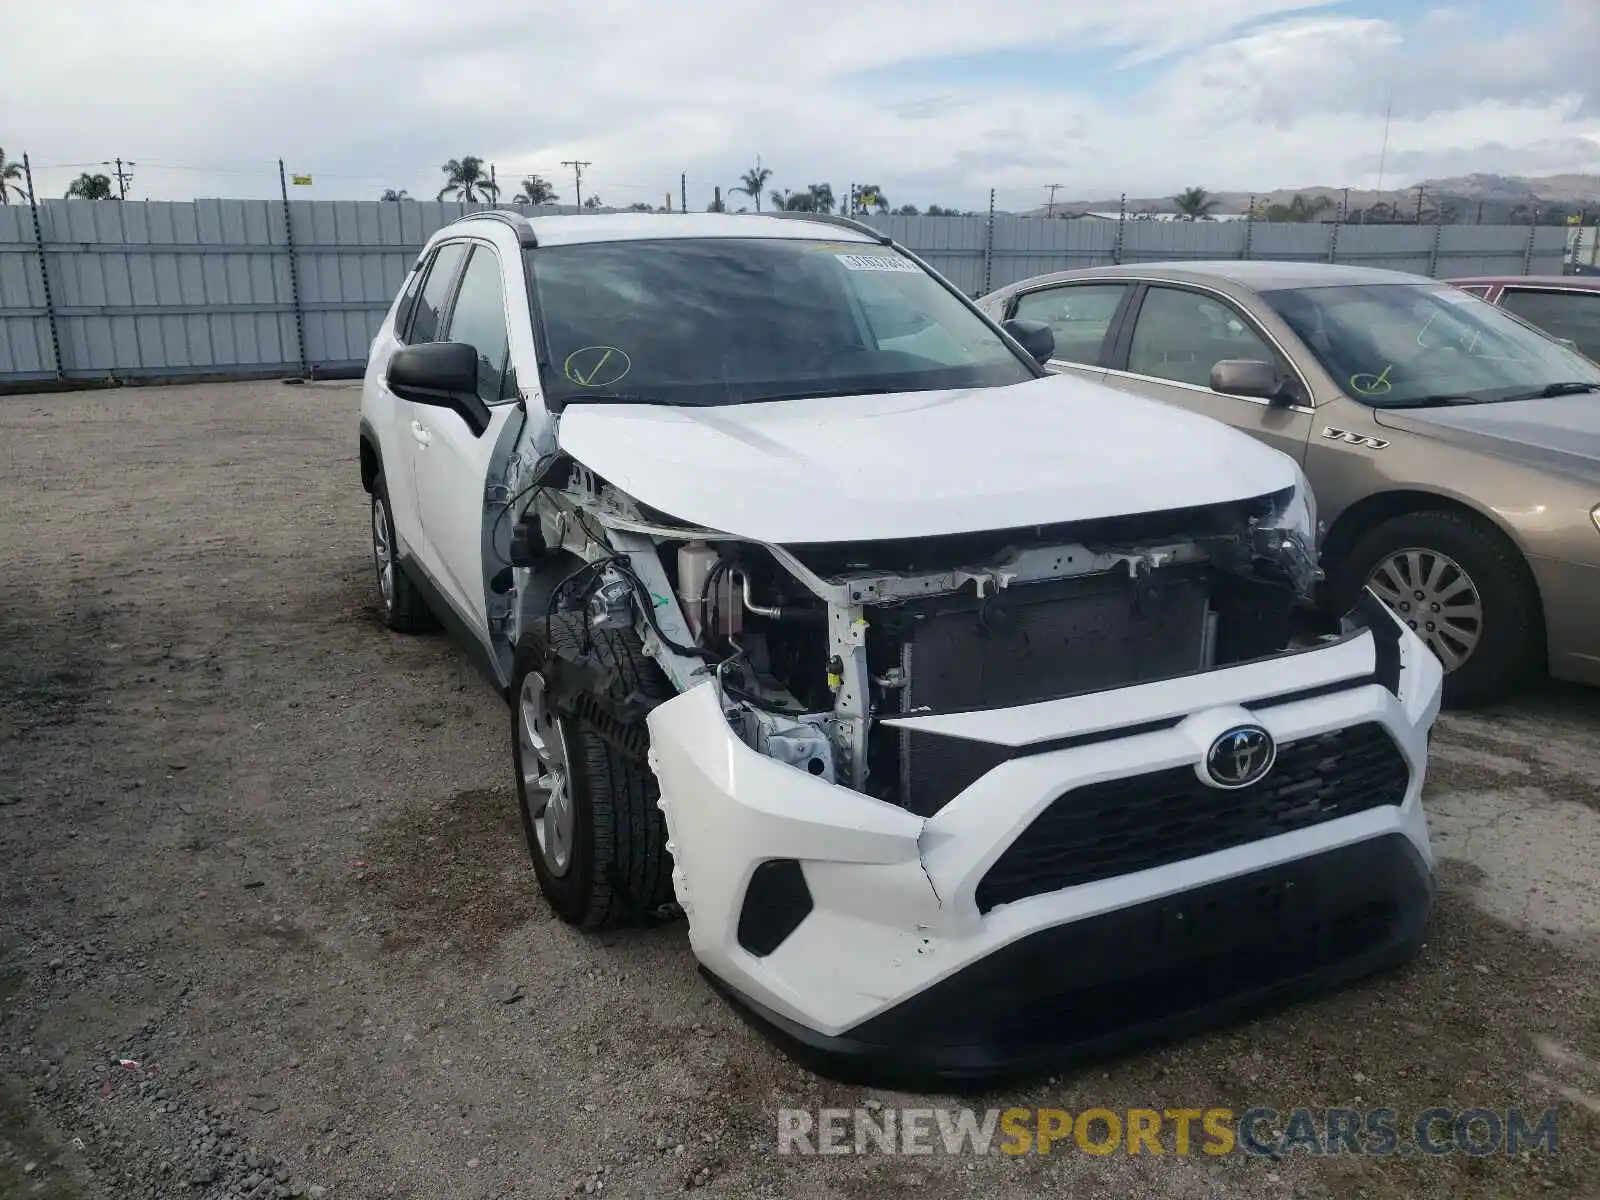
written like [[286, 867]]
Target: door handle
[[420, 432]]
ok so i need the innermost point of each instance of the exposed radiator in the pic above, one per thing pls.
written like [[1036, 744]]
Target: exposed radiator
[[1029, 643]]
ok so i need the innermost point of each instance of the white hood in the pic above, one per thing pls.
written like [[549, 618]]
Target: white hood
[[919, 464]]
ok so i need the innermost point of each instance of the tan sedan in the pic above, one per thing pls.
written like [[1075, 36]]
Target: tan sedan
[[1454, 450]]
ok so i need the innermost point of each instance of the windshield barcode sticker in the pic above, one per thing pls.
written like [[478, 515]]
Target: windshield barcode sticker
[[876, 262]]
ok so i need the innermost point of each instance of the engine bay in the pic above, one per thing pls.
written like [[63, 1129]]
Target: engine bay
[[815, 648]]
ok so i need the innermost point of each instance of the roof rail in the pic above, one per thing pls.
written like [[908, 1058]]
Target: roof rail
[[518, 222], [841, 222]]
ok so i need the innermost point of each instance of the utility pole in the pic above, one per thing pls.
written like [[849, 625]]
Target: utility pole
[[124, 178], [577, 175], [1050, 208], [683, 191], [1421, 189], [1344, 206]]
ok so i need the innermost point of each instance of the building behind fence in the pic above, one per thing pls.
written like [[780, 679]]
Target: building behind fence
[[154, 289]]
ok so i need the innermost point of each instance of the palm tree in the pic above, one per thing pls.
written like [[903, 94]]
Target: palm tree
[[10, 171], [752, 181], [1195, 204], [593, 202], [1298, 211], [391, 194], [536, 191], [466, 179], [821, 197], [90, 187]]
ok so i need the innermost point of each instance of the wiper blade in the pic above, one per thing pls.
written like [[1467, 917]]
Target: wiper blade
[[816, 394], [1439, 400], [1552, 390], [614, 398]]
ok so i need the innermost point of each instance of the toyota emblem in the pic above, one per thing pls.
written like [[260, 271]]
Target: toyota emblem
[[1241, 756]]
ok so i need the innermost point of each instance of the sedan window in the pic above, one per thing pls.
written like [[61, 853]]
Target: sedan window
[[1181, 335], [1402, 344], [1079, 314], [1572, 315]]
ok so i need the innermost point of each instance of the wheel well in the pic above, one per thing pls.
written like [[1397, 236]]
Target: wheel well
[[369, 463], [1366, 514]]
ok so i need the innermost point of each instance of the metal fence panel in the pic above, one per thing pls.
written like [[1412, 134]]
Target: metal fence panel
[[157, 288]]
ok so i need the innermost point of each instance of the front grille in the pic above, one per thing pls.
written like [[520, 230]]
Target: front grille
[[1126, 825], [1029, 643]]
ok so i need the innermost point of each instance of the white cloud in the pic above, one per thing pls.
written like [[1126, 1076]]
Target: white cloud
[[1232, 94]]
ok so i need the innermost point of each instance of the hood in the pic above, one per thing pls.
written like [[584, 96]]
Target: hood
[[920, 464], [1561, 434]]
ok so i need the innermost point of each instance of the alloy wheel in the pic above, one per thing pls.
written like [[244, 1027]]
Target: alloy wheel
[[546, 775], [1436, 597]]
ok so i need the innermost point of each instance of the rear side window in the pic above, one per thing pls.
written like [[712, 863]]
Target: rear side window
[[435, 293], [1571, 315], [1079, 314]]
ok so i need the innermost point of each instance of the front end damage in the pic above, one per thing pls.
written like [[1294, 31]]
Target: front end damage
[[939, 810]]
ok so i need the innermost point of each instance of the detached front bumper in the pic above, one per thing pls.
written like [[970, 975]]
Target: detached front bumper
[[876, 945]]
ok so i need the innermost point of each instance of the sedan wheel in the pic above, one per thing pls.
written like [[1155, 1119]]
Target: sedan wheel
[[1436, 597], [546, 775]]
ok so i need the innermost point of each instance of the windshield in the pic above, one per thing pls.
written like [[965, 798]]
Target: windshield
[[712, 321], [1394, 345]]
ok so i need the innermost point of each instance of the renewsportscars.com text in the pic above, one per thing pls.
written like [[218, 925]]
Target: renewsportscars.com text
[[1264, 1132]]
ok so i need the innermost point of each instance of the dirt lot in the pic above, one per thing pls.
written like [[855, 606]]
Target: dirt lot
[[268, 851]]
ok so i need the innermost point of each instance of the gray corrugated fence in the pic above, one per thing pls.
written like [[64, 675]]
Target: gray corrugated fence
[[142, 289]]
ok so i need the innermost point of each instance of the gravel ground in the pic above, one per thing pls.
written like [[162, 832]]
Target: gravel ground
[[267, 853]]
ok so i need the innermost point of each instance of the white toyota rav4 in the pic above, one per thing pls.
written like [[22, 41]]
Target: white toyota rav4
[[954, 702]]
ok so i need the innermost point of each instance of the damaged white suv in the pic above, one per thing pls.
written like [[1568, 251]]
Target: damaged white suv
[[954, 702]]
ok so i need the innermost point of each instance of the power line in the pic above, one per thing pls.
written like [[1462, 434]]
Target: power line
[[577, 166]]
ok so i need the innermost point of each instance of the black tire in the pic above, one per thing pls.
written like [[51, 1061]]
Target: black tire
[[404, 609], [1510, 649], [619, 871]]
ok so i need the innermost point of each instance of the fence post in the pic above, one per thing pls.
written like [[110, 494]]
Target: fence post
[[1438, 237], [1249, 227], [1527, 255], [294, 274], [44, 269], [988, 246], [1122, 223]]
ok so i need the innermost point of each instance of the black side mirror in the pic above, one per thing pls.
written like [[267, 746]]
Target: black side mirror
[[443, 374], [1248, 377], [1037, 338]]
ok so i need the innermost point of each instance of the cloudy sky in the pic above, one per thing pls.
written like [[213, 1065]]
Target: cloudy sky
[[934, 100]]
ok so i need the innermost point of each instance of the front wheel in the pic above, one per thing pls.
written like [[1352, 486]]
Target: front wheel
[[587, 795], [1463, 588]]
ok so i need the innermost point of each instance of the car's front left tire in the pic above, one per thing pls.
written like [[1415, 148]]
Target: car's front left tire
[[586, 794], [404, 609]]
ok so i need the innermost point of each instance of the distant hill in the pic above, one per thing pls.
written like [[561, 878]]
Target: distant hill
[[1489, 199]]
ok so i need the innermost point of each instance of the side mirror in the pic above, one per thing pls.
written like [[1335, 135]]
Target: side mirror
[[1037, 338], [444, 375], [1248, 377]]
